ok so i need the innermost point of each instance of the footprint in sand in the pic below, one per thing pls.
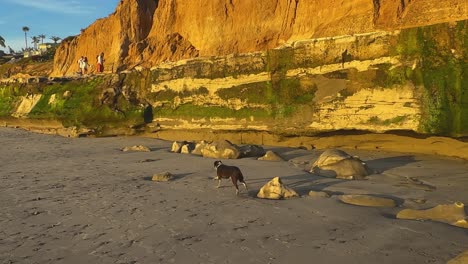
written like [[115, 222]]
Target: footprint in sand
[[412, 182]]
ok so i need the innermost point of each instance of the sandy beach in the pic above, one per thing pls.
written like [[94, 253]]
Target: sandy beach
[[83, 200]]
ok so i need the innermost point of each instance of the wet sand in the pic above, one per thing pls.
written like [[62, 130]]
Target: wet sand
[[83, 200]]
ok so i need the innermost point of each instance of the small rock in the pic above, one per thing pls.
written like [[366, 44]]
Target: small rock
[[67, 94], [271, 156], [419, 201], [319, 194], [137, 148], [162, 177]]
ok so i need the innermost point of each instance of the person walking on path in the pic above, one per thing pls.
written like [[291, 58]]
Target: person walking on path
[[100, 63], [83, 65]]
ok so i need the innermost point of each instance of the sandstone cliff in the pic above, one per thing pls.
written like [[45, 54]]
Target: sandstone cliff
[[147, 32], [411, 80]]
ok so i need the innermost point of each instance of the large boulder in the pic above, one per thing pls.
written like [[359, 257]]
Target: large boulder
[[177, 146], [453, 214], [220, 150], [198, 147], [336, 163], [251, 151], [184, 147], [187, 148], [275, 189]]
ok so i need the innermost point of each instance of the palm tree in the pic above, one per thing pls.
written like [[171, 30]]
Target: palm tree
[[34, 41], [55, 39], [26, 29], [42, 37], [2, 42]]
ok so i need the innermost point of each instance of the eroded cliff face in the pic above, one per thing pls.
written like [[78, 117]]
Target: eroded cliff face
[[408, 80], [390, 14], [148, 32], [130, 23]]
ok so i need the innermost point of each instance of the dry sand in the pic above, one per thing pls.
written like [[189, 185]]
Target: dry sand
[[83, 200]]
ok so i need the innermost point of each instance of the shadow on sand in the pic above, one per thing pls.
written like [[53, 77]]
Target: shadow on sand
[[384, 164], [301, 183], [293, 153]]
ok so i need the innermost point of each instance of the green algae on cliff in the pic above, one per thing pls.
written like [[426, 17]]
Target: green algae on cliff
[[169, 95], [439, 52], [377, 121], [289, 91], [9, 97], [388, 75]]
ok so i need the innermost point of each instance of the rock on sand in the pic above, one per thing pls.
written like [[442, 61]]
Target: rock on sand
[[275, 189]]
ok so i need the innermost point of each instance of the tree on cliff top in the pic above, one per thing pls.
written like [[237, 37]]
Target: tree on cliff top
[[55, 39], [26, 29], [2, 42], [35, 41], [42, 37]]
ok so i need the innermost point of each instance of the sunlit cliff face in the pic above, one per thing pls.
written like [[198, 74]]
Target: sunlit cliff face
[[147, 32]]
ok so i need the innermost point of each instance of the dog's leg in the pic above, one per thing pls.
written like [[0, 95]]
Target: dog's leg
[[219, 182], [234, 181], [245, 185]]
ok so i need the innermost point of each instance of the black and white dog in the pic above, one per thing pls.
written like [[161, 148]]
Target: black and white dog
[[226, 172]]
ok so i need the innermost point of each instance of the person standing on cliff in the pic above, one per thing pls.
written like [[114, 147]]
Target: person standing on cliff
[[85, 66], [100, 62], [81, 63]]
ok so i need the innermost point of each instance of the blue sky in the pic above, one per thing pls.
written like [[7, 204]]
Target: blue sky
[[61, 18]]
